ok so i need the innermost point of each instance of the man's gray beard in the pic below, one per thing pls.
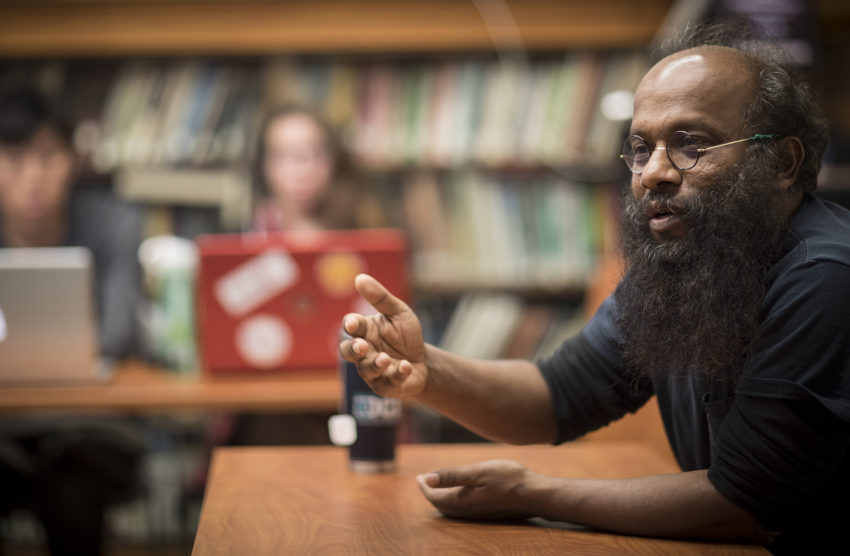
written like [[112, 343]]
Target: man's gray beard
[[694, 303]]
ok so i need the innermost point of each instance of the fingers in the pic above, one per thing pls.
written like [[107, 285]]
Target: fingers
[[463, 501], [378, 296], [354, 350], [445, 500], [371, 364], [450, 477], [487, 490], [429, 479], [355, 325], [477, 474], [378, 369], [437, 495]]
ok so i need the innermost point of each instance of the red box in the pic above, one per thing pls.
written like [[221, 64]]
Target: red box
[[275, 302]]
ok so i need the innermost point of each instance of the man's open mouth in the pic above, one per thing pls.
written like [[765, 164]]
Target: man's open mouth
[[655, 210]]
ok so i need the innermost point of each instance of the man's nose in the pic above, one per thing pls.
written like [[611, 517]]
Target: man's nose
[[659, 172]]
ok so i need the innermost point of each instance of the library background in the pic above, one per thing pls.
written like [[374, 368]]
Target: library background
[[487, 130]]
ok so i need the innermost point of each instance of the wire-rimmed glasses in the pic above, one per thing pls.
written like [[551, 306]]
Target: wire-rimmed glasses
[[681, 147]]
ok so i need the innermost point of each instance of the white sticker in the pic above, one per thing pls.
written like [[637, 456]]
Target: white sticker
[[342, 430], [264, 341], [255, 281], [4, 330]]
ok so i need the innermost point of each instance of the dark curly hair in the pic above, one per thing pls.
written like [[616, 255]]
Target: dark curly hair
[[784, 103]]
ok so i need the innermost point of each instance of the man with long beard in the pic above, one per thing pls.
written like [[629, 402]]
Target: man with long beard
[[734, 312]]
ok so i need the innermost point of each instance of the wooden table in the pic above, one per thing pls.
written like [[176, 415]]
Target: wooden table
[[140, 388], [304, 500]]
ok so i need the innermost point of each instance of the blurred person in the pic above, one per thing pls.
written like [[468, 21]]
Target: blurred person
[[67, 470], [734, 311], [42, 206], [305, 179]]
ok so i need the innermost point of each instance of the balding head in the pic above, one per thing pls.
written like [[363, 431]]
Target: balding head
[[712, 67], [782, 102], [710, 82]]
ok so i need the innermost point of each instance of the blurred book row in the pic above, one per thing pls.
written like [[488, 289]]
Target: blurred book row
[[494, 325], [496, 231], [426, 112], [493, 113]]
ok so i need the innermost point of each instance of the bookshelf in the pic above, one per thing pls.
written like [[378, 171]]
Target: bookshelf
[[82, 50], [477, 122], [479, 188]]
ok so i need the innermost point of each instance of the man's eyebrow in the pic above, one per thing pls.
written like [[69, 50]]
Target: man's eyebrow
[[695, 126]]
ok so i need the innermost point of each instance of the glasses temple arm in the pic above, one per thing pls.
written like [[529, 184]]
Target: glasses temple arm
[[756, 137]]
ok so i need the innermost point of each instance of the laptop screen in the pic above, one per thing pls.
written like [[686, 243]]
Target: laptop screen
[[47, 309]]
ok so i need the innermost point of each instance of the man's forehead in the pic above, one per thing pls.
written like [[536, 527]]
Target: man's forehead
[[716, 80], [706, 63], [680, 63]]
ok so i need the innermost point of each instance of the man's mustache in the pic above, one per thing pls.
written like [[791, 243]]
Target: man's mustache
[[657, 203]]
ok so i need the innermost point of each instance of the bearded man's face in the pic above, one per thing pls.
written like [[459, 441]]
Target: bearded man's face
[[697, 238], [694, 302]]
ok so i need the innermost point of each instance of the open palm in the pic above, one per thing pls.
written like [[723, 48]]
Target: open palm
[[387, 347]]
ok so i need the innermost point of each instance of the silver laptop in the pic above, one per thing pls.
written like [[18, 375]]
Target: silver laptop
[[48, 327]]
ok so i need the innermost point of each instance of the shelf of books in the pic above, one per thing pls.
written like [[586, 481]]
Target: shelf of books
[[499, 167], [438, 113]]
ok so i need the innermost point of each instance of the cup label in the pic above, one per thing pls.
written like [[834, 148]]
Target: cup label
[[369, 409]]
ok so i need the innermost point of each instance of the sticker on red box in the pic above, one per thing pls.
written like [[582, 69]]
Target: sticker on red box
[[255, 282], [264, 341]]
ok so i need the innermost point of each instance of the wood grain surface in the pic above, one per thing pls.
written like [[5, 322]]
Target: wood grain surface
[[140, 388], [304, 500]]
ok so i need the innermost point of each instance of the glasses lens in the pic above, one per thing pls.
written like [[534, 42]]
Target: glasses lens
[[636, 153], [683, 150]]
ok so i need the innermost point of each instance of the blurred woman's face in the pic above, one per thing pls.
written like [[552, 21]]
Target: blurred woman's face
[[298, 164]]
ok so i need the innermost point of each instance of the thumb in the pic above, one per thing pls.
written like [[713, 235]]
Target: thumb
[[378, 296]]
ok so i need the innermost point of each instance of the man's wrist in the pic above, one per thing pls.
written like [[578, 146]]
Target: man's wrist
[[431, 361], [541, 497]]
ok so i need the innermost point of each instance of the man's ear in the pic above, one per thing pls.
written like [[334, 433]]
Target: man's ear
[[792, 156]]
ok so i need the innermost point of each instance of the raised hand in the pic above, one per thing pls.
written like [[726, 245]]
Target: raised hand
[[387, 347]]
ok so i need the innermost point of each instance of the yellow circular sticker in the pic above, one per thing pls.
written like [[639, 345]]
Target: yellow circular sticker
[[336, 271]]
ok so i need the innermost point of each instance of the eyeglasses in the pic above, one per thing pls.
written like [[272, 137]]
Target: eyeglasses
[[682, 150]]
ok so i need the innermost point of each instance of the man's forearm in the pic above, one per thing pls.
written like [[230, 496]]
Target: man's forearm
[[681, 505], [506, 401]]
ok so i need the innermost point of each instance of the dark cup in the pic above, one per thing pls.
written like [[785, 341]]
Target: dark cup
[[377, 421]]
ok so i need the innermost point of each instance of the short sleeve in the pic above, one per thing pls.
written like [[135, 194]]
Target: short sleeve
[[586, 379]]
